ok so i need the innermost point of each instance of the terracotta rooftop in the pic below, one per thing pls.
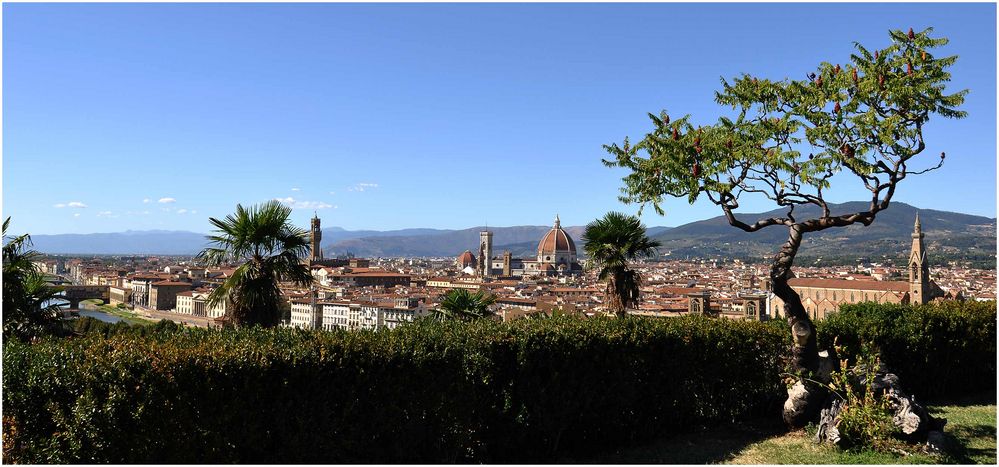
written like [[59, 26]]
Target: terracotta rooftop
[[893, 286], [171, 283]]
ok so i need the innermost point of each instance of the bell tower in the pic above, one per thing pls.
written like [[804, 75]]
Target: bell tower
[[919, 269], [315, 243], [485, 253]]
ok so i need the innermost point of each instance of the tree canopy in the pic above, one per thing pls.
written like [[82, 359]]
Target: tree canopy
[[611, 242], [789, 138], [786, 141], [268, 248]]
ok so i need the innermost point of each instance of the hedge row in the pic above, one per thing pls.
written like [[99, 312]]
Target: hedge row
[[87, 325], [938, 350], [530, 391], [433, 392]]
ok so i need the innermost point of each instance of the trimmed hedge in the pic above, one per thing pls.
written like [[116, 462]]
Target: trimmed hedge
[[432, 392], [535, 390], [938, 350], [87, 325]]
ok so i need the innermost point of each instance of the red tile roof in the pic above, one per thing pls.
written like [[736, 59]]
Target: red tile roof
[[893, 286]]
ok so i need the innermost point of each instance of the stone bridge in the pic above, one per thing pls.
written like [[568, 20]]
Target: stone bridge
[[74, 294]]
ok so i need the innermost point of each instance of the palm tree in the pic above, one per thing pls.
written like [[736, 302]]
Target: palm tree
[[29, 302], [610, 243], [270, 249], [464, 305]]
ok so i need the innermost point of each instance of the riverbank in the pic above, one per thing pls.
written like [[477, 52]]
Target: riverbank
[[127, 316]]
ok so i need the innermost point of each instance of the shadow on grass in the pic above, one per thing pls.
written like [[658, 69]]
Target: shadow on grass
[[703, 446], [983, 398], [959, 449]]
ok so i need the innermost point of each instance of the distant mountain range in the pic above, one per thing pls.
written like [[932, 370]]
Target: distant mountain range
[[948, 234]]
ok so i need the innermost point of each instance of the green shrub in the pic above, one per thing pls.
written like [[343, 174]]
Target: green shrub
[[938, 350], [86, 325], [430, 392], [865, 417]]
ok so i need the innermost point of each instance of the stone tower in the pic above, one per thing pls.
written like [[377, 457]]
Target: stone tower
[[315, 243], [485, 253], [699, 303], [754, 306], [506, 263], [919, 269]]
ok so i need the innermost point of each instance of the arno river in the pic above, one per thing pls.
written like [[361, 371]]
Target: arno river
[[96, 314]]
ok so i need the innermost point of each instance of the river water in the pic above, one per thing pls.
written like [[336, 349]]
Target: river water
[[100, 315], [93, 313]]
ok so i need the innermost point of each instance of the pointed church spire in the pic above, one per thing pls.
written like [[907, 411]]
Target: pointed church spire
[[919, 270], [917, 229], [557, 222]]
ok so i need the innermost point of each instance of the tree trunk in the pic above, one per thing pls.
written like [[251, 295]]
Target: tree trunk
[[805, 398], [615, 306]]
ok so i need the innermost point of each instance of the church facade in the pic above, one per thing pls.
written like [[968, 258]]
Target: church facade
[[821, 297]]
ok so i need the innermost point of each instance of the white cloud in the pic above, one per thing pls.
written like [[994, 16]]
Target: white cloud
[[362, 187], [296, 189], [181, 211], [146, 200], [104, 214], [76, 215], [194, 211], [166, 200], [332, 192], [297, 204], [71, 204]]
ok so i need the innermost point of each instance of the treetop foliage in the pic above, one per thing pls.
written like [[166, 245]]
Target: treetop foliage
[[790, 137]]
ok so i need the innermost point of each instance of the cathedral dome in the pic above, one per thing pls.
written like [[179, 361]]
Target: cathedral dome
[[556, 241], [466, 259]]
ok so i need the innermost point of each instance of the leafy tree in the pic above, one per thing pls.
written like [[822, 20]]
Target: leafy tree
[[860, 121], [611, 243], [268, 249], [29, 302], [464, 305]]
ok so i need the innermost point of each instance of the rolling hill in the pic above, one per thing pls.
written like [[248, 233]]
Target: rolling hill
[[949, 235]]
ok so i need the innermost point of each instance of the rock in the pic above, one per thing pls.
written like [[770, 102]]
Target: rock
[[827, 432], [907, 417]]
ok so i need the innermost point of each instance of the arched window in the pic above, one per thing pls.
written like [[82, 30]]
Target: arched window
[[695, 306], [751, 309], [915, 271]]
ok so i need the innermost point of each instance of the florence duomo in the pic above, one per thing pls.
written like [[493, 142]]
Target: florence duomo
[[556, 256]]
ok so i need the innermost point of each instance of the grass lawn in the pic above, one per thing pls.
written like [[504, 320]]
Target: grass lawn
[[970, 434]]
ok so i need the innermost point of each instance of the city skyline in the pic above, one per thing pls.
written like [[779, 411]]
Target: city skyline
[[383, 117]]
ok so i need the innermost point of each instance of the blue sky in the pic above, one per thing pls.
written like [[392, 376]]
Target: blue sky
[[385, 116]]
